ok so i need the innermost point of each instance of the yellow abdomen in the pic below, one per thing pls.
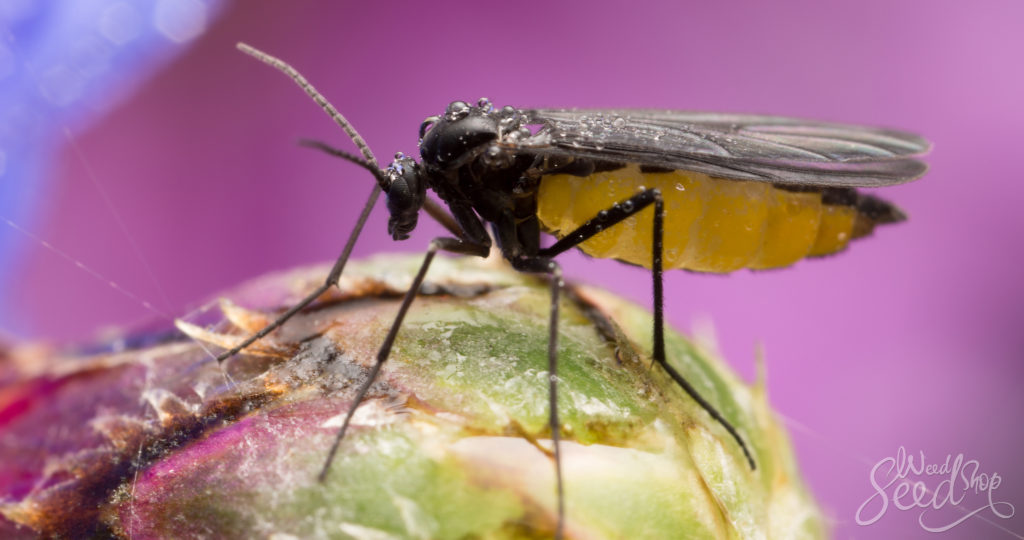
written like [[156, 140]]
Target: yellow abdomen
[[711, 224]]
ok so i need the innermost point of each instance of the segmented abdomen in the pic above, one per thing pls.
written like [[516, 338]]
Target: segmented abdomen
[[711, 224]]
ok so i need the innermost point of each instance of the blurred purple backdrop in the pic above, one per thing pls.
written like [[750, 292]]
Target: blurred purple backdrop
[[910, 339]]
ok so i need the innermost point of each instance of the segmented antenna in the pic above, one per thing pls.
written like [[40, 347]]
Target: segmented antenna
[[317, 97]]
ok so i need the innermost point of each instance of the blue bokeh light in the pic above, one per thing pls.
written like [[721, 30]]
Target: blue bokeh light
[[62, 65]]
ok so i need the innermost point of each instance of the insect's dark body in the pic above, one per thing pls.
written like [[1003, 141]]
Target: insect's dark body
[[479, 187]]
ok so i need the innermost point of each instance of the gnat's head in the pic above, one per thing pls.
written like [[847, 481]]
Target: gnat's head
[[406, 189]]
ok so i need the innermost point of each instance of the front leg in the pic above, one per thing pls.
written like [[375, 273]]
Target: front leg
[[453, 245]]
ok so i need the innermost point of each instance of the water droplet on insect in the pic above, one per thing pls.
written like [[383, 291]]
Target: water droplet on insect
[[627, 206], [602, 215], [399, 155], [456, 110], [485, 104], [619, 122]]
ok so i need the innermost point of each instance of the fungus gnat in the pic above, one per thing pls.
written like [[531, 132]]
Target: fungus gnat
[[726, 191]]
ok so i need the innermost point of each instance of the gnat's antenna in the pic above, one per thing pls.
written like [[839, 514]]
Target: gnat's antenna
[[317, 97]]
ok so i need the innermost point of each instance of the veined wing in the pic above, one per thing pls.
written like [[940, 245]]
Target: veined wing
[[738, 146]]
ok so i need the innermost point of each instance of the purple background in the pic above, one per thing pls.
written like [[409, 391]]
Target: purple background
[[911, 338]]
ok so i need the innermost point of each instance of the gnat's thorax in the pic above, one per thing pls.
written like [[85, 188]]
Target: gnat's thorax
[[464, 137], [465, 133]]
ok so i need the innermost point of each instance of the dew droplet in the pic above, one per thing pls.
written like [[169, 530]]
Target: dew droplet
[[456, 110]]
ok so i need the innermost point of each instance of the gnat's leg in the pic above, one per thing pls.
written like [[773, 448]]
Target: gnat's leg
[[332, 279], [612, 216], [546, 265], [452, 245]]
